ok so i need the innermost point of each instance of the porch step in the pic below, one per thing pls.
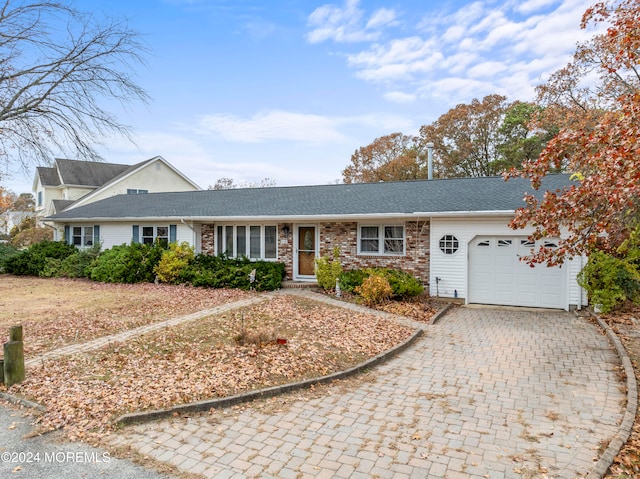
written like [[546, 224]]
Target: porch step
[[298, 284]]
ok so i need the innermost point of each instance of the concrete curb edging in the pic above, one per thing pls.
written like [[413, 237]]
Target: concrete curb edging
[[22, 402], [200, 406], [438, 316], [602, 466]]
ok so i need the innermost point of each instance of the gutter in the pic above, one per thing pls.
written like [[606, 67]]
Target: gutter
[[289, 218]]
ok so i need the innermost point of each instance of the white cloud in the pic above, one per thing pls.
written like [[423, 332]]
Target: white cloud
[[400, 97], [381, 18], [482, 48], [531, 6], [347, 24], [272, 125]]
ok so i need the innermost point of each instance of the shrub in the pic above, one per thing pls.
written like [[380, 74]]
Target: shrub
[[133, 263], [328, 270], [6, 251], [173, 262], [35, 259], [223, 272], [77, 265], [610, 280], [351, 279], [374, 290], [402, 283]]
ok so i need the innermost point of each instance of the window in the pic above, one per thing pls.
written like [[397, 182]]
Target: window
[[152, 233], [381, 239], [252, 241], [526, 243], [504, 243], [82, 236], [133, 191], [449, 244], [39, 198]]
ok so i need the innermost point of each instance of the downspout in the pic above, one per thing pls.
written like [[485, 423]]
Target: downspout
[[581, 290]]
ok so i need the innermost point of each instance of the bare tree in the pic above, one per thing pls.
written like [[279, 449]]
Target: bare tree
[[59, 68]]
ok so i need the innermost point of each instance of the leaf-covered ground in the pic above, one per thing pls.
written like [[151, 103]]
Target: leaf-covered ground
[[626, 324], [203, 359], [55, 312]]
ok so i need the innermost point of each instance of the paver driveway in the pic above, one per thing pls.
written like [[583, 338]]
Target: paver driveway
[[490, 393]]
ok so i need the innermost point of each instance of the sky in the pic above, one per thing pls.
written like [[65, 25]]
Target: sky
[[290, 89]]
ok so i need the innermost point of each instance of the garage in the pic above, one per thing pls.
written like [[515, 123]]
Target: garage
[[497, 276]]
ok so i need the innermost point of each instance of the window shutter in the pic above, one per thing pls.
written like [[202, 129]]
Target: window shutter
[[96, 234], [136, 234], [67, 234], [173, 233]]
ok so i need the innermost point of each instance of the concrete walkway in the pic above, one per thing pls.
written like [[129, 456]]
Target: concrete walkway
[[486, 393], [129, 333]]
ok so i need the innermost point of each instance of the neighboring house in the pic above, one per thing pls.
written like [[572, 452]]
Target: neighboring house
[[10, 219], [72, 183], [453, 234]]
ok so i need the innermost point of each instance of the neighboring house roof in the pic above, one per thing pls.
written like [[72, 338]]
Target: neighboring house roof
[[409, 198], [80, 173], [125, 173], [61, 205], [93, 175]]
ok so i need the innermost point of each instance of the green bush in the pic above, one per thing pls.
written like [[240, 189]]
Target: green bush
[[76, 265], [34, 260], [328, 270], [173, 262], [222, 272], [610, 280], [6, 251], [133, 263], [351, 279], [403, 285]]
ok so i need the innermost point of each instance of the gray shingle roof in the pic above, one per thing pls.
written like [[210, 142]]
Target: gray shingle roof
[[401, 198], [48, 176], [88, 173]]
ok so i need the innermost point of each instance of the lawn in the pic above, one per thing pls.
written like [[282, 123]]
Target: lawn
[[56, 312], [213, 357]]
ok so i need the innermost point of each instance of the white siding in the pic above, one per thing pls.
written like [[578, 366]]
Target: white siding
[[453, 269], [155, 177], [114, 234]]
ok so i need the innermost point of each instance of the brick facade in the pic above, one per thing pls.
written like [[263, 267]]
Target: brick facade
[[345, 237]]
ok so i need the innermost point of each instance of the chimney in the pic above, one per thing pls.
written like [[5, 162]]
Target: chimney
[[430, 161]]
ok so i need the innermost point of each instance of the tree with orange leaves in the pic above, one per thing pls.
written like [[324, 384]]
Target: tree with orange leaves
[[599, 141]]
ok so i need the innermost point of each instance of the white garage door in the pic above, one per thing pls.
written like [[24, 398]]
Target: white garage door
[[497, 276]]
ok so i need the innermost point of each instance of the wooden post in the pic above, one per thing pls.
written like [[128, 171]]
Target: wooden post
[[13, 367], [15, 333], [1, 371], [13, 363]]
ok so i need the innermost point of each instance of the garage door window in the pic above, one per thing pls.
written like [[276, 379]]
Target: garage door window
[[449, 244]]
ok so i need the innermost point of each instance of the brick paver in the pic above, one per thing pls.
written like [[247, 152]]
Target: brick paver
[[485, 393]]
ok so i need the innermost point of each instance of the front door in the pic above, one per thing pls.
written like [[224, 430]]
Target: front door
[[306, 250]]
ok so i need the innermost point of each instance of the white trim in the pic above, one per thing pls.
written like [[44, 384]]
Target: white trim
[[247, 226], [296, 231], [381, 227], [304, 218]]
